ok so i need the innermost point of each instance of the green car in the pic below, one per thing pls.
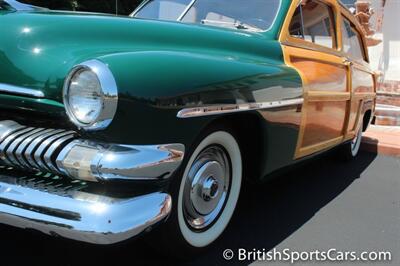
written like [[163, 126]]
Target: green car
[[111, 127]]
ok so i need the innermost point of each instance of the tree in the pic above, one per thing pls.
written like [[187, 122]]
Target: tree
[[125, 7]]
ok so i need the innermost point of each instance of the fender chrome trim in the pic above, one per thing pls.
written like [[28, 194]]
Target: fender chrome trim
[[20, 91], [234, 108]]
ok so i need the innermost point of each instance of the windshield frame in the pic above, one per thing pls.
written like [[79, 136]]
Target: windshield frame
[[191, 4]]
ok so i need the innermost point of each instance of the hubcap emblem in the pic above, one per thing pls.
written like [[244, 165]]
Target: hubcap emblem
[[209, 188]]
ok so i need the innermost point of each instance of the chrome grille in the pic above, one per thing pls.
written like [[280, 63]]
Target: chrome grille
[[32, 148]]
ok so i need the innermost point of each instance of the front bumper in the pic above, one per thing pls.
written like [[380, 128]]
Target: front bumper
[[62, 152], [44, 176], [72, 209]]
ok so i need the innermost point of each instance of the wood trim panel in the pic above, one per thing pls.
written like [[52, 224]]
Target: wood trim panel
[[319, 96], [325, 55], [365, 95], [319, 147]]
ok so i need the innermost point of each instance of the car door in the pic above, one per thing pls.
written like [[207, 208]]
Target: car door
[[310, 45], [362, 78]]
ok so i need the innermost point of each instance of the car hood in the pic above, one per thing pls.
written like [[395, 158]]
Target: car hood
[[38, 49]]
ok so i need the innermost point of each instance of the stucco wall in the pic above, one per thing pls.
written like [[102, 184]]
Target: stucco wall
[[391, 41]]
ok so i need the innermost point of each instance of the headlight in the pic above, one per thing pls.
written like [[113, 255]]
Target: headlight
[[90, 95]]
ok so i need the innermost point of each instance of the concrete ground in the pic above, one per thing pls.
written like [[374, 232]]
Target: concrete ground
[[321, 205]]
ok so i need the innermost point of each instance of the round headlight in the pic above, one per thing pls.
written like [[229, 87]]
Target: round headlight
[[90, 95], [84, 96]]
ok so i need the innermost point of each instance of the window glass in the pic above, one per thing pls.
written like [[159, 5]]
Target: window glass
[[351, 40], [163, 9], [250, 14], [313, 21]]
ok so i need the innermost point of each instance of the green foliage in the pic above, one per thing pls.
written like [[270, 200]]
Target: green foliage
[[125, 7]]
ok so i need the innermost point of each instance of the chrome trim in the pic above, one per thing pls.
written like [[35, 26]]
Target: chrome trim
[[39, 152], [142, 4], [114, 162], [19, 91], [10, 151], [109, 95], [78, 215], [19, 153], [7, 127], [8, 141], [46, 150], [29, 152], [207, 187], [32, 148], [234, 108], [51, 151], [190, 5]]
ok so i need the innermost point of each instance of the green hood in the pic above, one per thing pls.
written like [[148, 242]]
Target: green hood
[[38, 49]]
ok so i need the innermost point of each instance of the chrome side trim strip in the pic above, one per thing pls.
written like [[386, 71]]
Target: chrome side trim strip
[[15, 90], [79, 215], [234, 108]]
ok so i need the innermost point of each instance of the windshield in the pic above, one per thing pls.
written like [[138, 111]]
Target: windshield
[[253, 15]]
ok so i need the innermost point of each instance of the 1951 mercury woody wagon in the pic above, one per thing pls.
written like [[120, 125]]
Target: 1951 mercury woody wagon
[[110, 126]]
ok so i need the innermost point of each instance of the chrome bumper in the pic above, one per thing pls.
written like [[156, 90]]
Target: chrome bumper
[[63, 153], [66, 208]]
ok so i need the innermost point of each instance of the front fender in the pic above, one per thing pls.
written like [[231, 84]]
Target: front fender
[[154, 86]]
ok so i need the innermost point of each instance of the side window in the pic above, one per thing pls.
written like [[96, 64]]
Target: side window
[[313, 21], [351, 40]]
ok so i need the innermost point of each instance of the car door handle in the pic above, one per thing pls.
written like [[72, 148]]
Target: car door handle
[[347, 62]]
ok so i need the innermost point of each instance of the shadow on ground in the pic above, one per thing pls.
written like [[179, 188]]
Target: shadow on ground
[[267, 214]]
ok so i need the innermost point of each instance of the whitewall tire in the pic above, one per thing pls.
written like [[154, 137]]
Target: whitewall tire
[[356, 143], [209, 189], [351, 149]]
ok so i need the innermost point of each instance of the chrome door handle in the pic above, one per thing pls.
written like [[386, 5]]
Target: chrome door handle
[[347, 62]]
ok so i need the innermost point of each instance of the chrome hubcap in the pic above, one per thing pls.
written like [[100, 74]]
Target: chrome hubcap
[[207, 187]]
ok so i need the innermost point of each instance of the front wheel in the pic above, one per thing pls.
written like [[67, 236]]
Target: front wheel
[[205, 198]]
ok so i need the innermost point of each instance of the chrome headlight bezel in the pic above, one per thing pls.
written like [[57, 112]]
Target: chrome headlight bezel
[[109, 95]]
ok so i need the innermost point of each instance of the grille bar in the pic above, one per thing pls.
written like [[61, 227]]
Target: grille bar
[[9, 139], [40, 151], [32, 148], [19, 153], [15, 144]]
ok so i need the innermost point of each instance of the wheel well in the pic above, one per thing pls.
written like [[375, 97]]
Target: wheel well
[[366, 119], [247, 130]]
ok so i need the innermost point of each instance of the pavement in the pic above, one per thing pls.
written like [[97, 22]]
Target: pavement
[[383, 140], [322, 204]]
